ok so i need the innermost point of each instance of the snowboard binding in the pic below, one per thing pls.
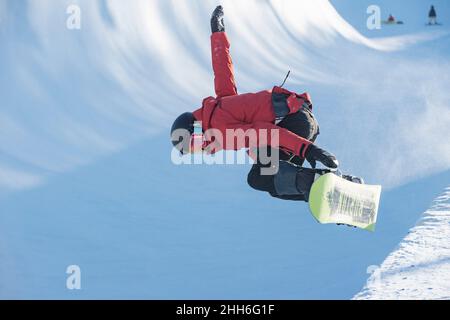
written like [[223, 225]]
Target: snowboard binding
[[349, 177]]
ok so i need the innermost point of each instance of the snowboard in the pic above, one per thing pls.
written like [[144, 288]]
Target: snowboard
[[333, 199], [392, 23]]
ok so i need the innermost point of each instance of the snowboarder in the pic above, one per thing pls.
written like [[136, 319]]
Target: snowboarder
[[432, 16], [392, 20], [277, 109]]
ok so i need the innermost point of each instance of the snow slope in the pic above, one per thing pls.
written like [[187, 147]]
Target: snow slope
[[420, 267], [85, 171], [138, 228]]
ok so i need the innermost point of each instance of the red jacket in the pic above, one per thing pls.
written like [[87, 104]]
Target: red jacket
[[230, 110]]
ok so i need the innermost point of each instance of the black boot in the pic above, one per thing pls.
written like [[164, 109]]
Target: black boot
[[354, 179]]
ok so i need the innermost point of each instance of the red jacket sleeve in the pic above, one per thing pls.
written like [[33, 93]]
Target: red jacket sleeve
[[224, 82], [266, 136]]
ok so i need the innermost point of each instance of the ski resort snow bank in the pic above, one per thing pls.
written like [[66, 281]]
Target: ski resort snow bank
[[420, 267], [70, 97]]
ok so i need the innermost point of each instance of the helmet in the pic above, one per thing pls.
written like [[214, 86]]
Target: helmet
[[182, 129]]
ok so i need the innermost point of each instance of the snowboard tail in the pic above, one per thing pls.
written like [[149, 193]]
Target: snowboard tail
[[333, 199]]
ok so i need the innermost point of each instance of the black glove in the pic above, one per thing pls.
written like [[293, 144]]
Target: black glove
[[217, 24], [314, 153]]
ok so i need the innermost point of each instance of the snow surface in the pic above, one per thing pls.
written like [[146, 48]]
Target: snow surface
[[85, 170], [420, 267]]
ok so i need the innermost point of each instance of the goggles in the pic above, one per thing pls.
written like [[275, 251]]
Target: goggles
[[197, 142]]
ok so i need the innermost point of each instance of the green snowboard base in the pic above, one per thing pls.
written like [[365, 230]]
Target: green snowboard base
[[333, 199]]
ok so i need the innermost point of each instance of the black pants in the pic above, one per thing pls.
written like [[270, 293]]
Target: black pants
[[304, 124]]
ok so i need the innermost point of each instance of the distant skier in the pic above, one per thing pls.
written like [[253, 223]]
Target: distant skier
[[432, 17], [287, 112], [391, 19]]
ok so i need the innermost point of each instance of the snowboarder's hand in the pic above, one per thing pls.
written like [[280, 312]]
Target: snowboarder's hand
[[217, 24], [314, 153]]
